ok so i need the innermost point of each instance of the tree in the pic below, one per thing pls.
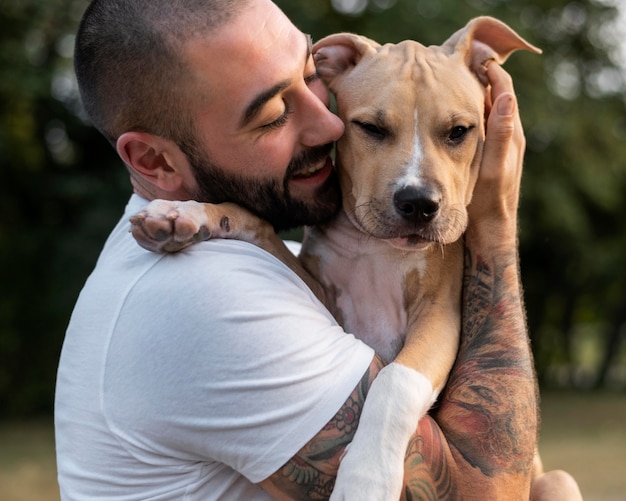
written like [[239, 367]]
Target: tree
[[60, 192]]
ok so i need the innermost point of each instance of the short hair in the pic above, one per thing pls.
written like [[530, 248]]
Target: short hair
[[129, 64]]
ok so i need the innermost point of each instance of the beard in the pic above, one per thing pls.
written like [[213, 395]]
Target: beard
[[271, 200]]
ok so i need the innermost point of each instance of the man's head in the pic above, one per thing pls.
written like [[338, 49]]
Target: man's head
[[216, 100], [128, 62]]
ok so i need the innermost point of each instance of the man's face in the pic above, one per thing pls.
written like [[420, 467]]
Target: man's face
[[262, 121]]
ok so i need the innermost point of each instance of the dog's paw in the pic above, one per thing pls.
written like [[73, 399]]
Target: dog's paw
[[361, 477], [372, 468], [168, 226]]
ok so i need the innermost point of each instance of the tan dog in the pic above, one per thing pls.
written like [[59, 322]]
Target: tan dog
[[391, 263]]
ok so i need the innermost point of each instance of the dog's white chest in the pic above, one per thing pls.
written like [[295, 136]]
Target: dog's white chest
[[366, 285], [371, 303]]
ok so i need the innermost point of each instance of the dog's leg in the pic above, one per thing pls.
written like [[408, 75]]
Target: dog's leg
[[170, 226], [398, 398], [404, 391], [372, 469]]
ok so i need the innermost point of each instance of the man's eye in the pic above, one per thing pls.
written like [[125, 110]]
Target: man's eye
[[280, 121], [312, 78]]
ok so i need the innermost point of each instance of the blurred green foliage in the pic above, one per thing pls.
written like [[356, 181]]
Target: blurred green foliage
[[63, 187]]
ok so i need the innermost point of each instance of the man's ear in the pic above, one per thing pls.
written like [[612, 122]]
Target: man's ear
[[157, 160]]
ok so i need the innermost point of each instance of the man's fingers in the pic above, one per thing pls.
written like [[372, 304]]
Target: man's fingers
[[502, 85], [497, 189], [500, 129], [499, 80]]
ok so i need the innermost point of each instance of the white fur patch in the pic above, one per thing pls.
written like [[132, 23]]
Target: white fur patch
[[413, 166], [373, 466]]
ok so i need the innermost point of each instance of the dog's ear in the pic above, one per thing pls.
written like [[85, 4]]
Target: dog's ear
[[336, 54], [486, 39]]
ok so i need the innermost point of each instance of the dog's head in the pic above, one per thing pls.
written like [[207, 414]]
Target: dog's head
[[414, 119]]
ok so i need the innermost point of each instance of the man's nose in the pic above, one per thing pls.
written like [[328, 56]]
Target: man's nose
[[320, 125]]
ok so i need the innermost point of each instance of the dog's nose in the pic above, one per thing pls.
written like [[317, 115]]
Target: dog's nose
[[418, 205]]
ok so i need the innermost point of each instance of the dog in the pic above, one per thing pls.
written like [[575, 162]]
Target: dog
[[390, 265]]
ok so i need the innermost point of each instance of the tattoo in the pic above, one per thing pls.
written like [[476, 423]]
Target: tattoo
[[311, 473], [489, 409], [427, 472]]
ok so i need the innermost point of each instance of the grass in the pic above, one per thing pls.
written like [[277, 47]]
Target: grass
[[27, 462], [583, 433]]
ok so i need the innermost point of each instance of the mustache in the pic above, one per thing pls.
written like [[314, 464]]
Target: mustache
[[308, 157]]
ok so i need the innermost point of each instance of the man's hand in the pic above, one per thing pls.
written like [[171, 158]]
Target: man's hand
[[493, 210]]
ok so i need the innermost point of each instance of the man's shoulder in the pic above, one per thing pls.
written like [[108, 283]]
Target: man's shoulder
[[218, 263]]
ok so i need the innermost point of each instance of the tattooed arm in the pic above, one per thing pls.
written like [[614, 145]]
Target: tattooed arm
[[311, 473]]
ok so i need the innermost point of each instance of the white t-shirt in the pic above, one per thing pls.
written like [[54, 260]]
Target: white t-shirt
[[195, 375]]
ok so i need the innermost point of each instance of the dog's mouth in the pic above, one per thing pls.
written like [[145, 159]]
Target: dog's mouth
[[410, 242], [399, 236], [394, 233], [387, 226], [391, 229]]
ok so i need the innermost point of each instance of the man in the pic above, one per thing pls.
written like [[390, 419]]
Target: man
[[215, 373]]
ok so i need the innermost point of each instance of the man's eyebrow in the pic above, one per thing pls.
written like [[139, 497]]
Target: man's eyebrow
[[255, 107]]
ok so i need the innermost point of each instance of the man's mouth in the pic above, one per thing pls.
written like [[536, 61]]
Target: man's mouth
[[311, 164], [314, 173], [310, 171]]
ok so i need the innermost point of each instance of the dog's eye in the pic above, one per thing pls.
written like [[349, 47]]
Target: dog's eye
[[458, 133], [372, 130]]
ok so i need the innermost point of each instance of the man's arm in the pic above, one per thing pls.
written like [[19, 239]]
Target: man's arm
[[311, 473], [485, 433]]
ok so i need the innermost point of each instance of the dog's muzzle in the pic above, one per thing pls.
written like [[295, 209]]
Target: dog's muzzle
[[417, 205]]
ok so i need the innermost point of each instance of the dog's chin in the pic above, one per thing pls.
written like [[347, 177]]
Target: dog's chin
[[410, 243]]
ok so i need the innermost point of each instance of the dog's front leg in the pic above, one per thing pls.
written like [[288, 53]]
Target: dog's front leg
[[372, 468], [170, 226], [403, 392]]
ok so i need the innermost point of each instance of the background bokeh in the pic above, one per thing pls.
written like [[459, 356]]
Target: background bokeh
[[63, 187]]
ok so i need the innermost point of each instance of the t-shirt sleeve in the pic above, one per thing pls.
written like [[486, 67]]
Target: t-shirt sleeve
[[223, 354]]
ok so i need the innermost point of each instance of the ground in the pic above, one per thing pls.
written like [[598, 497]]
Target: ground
[[584, 433]]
